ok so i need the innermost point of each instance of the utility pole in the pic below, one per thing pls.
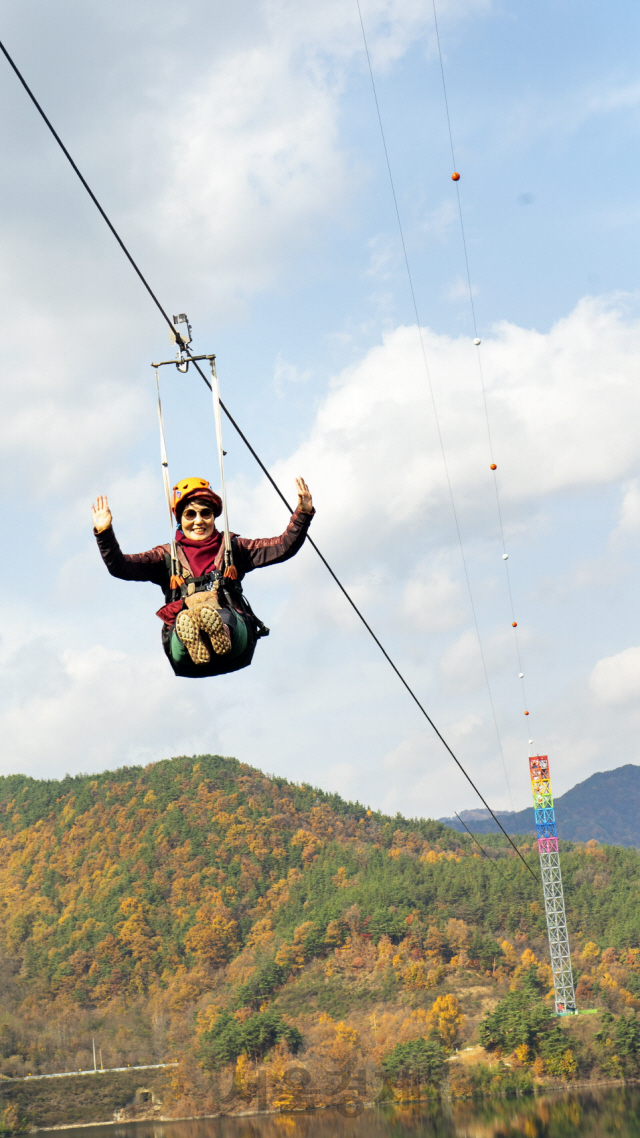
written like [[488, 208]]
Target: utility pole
[[95, 1065]]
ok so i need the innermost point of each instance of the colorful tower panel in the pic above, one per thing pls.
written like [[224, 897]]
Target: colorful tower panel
[[552, 885]]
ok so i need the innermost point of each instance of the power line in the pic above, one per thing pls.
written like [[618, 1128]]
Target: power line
[[479, 356], [481, 848], [250, 448], [432, 394]]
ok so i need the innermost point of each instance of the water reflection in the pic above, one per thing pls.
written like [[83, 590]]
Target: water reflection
[[587, 1115]]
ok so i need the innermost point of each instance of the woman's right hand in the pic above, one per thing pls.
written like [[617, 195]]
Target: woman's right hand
[[102, 518]]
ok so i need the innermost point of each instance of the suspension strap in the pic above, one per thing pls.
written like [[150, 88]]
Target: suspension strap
[[229, 568], [176, 578]]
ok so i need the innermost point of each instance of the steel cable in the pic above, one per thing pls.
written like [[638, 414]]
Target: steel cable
[[241, 434]]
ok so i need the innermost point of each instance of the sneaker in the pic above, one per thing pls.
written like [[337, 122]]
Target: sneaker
[[189, 634], [217, 631]]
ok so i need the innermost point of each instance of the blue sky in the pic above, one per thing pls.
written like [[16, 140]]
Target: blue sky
[[238, 151]]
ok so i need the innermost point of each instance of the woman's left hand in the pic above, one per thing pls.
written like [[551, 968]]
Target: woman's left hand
[[305, 502]]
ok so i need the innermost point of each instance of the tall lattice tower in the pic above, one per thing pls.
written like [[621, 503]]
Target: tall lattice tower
[[552, 885]]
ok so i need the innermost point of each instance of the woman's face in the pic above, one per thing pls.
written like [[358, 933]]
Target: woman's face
[[197, 520]]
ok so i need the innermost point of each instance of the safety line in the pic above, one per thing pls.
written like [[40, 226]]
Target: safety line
[[433, 400], [505, 555], [259, 460], [481, 848]]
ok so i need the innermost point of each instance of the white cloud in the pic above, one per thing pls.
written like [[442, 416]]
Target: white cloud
[[439, 221], [255, 165], [285, 373], [563, 408], [225, 175], [96, 690], [431, 600], [616, 679], [459, 289], [615, 98], [217, 173], [630, 510]]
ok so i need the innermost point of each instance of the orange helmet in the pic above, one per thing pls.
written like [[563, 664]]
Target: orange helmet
[[194, 488]]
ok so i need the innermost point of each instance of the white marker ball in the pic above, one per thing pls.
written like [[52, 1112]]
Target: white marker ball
[[521, 675], [477, 342], [505, 556], [530, 740]]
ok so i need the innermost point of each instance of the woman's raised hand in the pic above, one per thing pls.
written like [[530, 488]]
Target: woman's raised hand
[[101, 514], [304, 497]]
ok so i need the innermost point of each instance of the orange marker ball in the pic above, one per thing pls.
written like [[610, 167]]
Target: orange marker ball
[[514, 624], [455, 177], [493, 466], [526, 712]]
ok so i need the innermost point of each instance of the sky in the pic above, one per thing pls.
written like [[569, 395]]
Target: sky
[[237, 150]]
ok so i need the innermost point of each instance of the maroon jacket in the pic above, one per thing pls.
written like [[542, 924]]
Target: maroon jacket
[[250, 553]]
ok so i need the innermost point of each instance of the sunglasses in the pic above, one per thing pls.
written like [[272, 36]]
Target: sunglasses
[[190, 514]]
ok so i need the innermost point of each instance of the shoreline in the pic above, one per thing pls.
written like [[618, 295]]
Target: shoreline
[[539, 1092]]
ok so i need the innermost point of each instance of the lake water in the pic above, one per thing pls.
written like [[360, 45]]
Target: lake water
[[593, 1114]]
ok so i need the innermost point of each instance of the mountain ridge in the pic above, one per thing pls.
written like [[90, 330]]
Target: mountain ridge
[[604, 807], [200, 911]]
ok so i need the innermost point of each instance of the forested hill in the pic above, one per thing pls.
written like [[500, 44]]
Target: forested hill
[[605, 806], [200, 909]]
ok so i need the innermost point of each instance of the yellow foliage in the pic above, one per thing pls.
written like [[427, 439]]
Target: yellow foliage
[[458, 932], [340, 879], [447, 1019], [608, 980], [569, 1065], [418, 1023], [333, 934], [213, 940], [243, 1080], [301, 932], [206, 1018], [261, 934], [509, 951], [284, 956], [134, 932], [301, 837], [418, 974], [537, 1067], [347, 1034], [630, 1000], [310, 842], [11, 1119]]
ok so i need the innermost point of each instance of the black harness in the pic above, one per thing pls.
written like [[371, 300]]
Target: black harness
[[229, 591]]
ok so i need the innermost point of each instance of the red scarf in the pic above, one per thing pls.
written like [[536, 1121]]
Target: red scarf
[[201, 555]]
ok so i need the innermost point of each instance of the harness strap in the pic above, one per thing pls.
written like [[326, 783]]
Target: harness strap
[[229, 586], [176, 578], [229, 568]]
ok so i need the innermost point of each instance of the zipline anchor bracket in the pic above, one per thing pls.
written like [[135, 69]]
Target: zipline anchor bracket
[[182, 339], [182, 360], [176, 362]]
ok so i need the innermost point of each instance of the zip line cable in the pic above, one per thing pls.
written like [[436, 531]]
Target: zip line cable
[[431, 392], [481, 848], [505, 556], [256, 457]]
